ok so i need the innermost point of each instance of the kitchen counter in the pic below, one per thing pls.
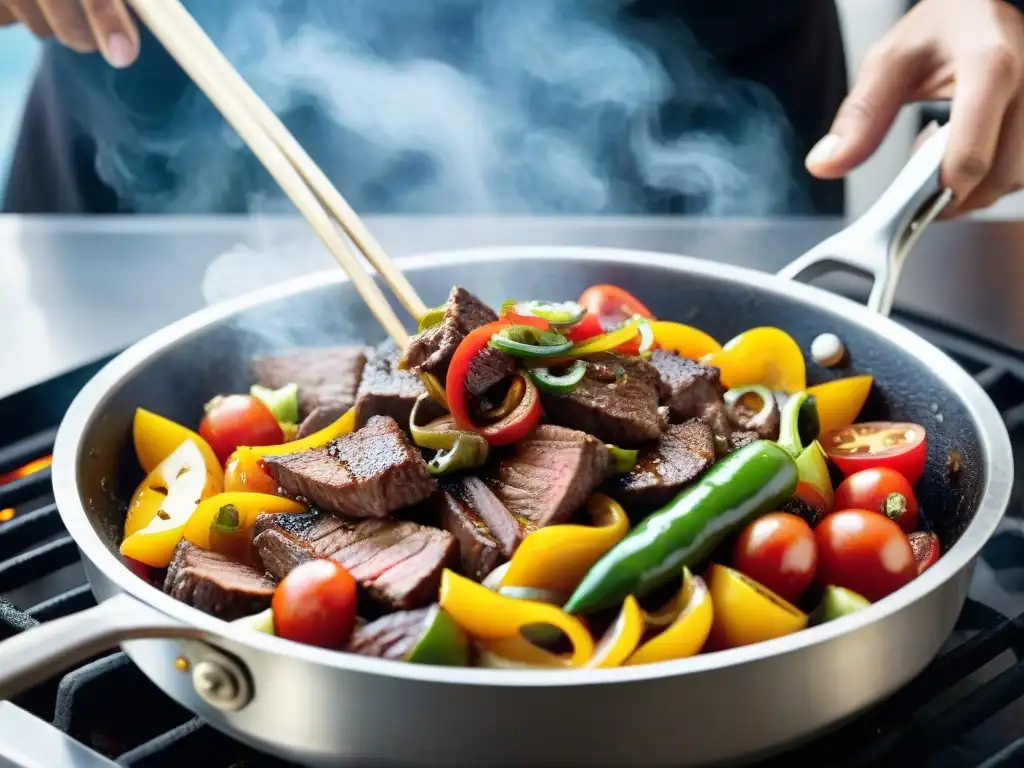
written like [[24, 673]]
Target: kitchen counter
[[75, 289]]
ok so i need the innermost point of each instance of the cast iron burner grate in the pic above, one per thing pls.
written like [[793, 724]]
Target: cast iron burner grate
[[966, 709]]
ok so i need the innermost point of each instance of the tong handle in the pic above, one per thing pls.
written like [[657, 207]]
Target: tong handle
[[877, 244]]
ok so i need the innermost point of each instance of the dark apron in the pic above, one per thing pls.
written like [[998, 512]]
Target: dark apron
[[791, 47]]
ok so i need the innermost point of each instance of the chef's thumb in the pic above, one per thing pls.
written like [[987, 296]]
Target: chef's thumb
[[863, 119]]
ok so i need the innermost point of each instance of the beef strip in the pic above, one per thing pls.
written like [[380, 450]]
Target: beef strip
[[620, 409], [329, 374], [392, 636], [322, 416], [387, 390], [680, 456], [688, 387], [216, 584], [548, 475], [397, 562], [368, 473], [431, 351], [486, 531]]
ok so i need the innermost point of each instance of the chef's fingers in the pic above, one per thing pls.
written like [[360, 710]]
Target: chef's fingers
[[114, 30], [1007, 173], [986, 81], [28, 13], [888, 74], [67, 20]]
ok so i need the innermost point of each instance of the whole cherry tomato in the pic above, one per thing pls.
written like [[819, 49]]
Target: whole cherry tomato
[[778, 550], [246, 472], [897, 445], [925, 545], [873, 489], [611, 305], [864, 552], [315, 604], [236, 420]]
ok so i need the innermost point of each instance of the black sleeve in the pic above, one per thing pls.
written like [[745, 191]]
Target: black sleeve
[[1018, 4]]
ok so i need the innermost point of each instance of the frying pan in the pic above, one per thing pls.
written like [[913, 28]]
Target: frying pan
[[325, 708]]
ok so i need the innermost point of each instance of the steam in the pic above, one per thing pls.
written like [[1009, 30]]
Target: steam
[[465, 106]]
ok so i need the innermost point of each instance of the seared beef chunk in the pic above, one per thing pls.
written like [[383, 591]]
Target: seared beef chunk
[[689, 387], [738, 438], [398, 563], [368, 473], [681, 455], [616, 401], [390, 637], [322, 416], [432, 350], [216, 584], [548, 475], [728, 436], [766, 426], [386, 390], [324, 375], [486, 531]]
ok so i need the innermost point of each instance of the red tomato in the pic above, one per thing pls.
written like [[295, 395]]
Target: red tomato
[[897, 445], [864, 552], [870, 489], [315, 604], [611, 305], [925, 546], [237, 420], [778, 550], [247, 473]]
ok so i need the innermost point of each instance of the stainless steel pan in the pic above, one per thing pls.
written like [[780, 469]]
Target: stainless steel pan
[[326, 708]]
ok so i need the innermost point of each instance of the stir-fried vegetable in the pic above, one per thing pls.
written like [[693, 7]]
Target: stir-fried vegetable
[[925, 545], [897, 445], [622, 459], [155, 438], [864, 551], [682, 626], [283, 402], [798, 426], [525, 341], [836, 602], [683, 340], [883, 490], [468, 451], [246, 472], [747, 612], [345, 424], [612, 305], [839, 402], [315, 604], [778, 551], [202, 523], [753, 480], [766, 356], [559, 384], [560, 314], [622, 637], [615, 339], [235, 420]]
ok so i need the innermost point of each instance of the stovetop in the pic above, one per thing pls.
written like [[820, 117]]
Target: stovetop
[[966, 709]]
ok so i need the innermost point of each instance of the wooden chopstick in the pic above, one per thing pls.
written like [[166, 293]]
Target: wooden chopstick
[[283, 157]]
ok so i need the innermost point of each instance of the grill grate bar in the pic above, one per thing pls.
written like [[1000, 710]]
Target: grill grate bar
[[22, 452], [28, 529], [64, 604], [25, 488], [36, 563], [1010, 756]]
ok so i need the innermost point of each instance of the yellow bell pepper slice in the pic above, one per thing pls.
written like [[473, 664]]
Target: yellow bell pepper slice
[[155, 439], [487, 616], [840, 401], [518, 652], [606, 342], [746, 612], [162, 504], [766, 356], [622, 637], [247, 505], [689, 617], [558, 557], [683, 340], [343, 426]]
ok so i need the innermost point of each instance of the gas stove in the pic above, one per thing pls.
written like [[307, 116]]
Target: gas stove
[[966, 709]]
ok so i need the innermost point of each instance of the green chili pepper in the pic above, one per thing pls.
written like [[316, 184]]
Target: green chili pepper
[[430, 318], [524, 341], [560, 385], [283, 402], [560, 314], [798, 423], [622, 460], [469, 451], [746, 484], [226, 520]]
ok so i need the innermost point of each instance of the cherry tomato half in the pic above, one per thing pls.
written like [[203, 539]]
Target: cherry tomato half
[[897, 445], [778, 550], [925, 545], [315, 604], [864, 552], [246, 472], [871, 488], [237, 420], [611, 305]]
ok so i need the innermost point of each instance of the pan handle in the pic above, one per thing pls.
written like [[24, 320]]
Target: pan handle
[[35, 654], [878, 242]]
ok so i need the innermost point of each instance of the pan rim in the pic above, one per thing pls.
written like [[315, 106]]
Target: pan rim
[[994, 439]]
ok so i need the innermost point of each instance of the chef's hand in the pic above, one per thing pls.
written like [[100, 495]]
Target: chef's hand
[[970, 51], [82, 25]]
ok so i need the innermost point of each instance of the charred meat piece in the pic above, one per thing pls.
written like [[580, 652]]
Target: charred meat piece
[[216, 584], [368, 473], [431, 351], [397, 562], [329, 374], [322, 416], [728, 436], [688, 387], [387, 390], [615, 401], [487, 532], [390, 637], [765, 423], [680, 456], [548, 475]]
